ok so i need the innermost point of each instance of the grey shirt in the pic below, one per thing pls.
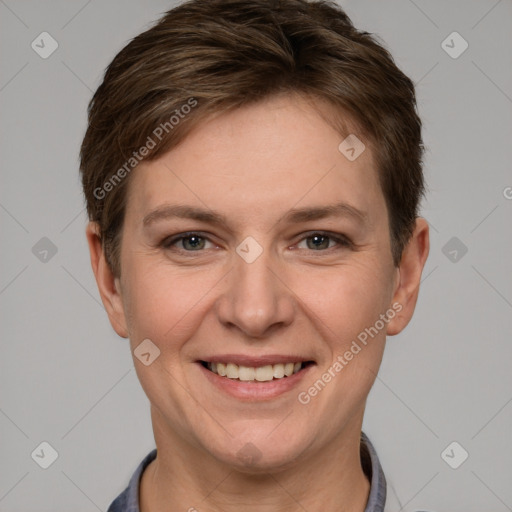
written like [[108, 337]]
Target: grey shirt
[[128, 500]]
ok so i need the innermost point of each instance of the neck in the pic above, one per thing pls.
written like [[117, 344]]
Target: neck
[[184, 478]]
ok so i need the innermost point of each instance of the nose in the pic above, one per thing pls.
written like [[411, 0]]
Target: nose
[[255, 300]]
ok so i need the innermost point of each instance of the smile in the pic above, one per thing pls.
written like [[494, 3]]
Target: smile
[[254, 374], [251, 378]]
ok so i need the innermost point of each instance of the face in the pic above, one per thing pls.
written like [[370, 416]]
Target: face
[[257, 248]]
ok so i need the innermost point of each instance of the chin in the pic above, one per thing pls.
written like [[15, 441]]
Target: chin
[[261, 454]]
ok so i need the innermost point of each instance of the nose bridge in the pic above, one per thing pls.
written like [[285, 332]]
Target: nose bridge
[[255, 299]]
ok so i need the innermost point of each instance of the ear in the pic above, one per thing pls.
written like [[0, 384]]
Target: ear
[[108, 284], [408, 280]]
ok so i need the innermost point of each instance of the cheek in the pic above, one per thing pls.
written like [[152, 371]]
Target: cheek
[[166, 308], [347, 299], [164, 305]]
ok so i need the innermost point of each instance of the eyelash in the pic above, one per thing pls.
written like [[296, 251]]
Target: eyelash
[[342, 241]]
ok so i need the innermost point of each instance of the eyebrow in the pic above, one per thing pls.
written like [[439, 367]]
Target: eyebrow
[[294, 216]]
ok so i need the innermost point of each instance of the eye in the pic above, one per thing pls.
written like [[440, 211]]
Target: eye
[[322, 241], [188, 242], [197, 242]]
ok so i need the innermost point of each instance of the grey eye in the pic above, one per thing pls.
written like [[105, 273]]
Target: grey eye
[[194, 242], [318, 242]]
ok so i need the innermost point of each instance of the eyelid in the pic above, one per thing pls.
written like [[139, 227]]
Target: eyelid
[[340, 239], [170, 241]]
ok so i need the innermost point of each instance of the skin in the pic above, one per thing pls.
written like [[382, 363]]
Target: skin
[[253, 165]]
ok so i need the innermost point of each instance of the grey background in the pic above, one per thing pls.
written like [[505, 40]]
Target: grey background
[[67, 379]]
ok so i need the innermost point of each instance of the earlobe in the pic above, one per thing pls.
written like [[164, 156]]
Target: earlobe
[[108, 284], [409, 272]]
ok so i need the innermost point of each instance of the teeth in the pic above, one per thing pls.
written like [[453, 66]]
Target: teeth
[[246, 373], [279, 371], [264, 373], [232, 371], [221, 369], [260, 374]]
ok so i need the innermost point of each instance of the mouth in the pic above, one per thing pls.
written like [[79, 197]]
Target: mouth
[[264, 373], [254, 379]]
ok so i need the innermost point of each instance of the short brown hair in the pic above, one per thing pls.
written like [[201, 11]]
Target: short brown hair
[[206, 57]]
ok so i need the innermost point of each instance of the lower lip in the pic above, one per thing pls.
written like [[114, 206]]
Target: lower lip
[[255, 390]]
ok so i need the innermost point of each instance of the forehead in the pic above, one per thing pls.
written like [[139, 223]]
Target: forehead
[[261, 160]]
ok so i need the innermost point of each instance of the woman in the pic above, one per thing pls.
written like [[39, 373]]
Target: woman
[[253, 176]]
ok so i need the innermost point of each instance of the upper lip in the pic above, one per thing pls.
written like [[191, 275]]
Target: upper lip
[[255, 362]]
